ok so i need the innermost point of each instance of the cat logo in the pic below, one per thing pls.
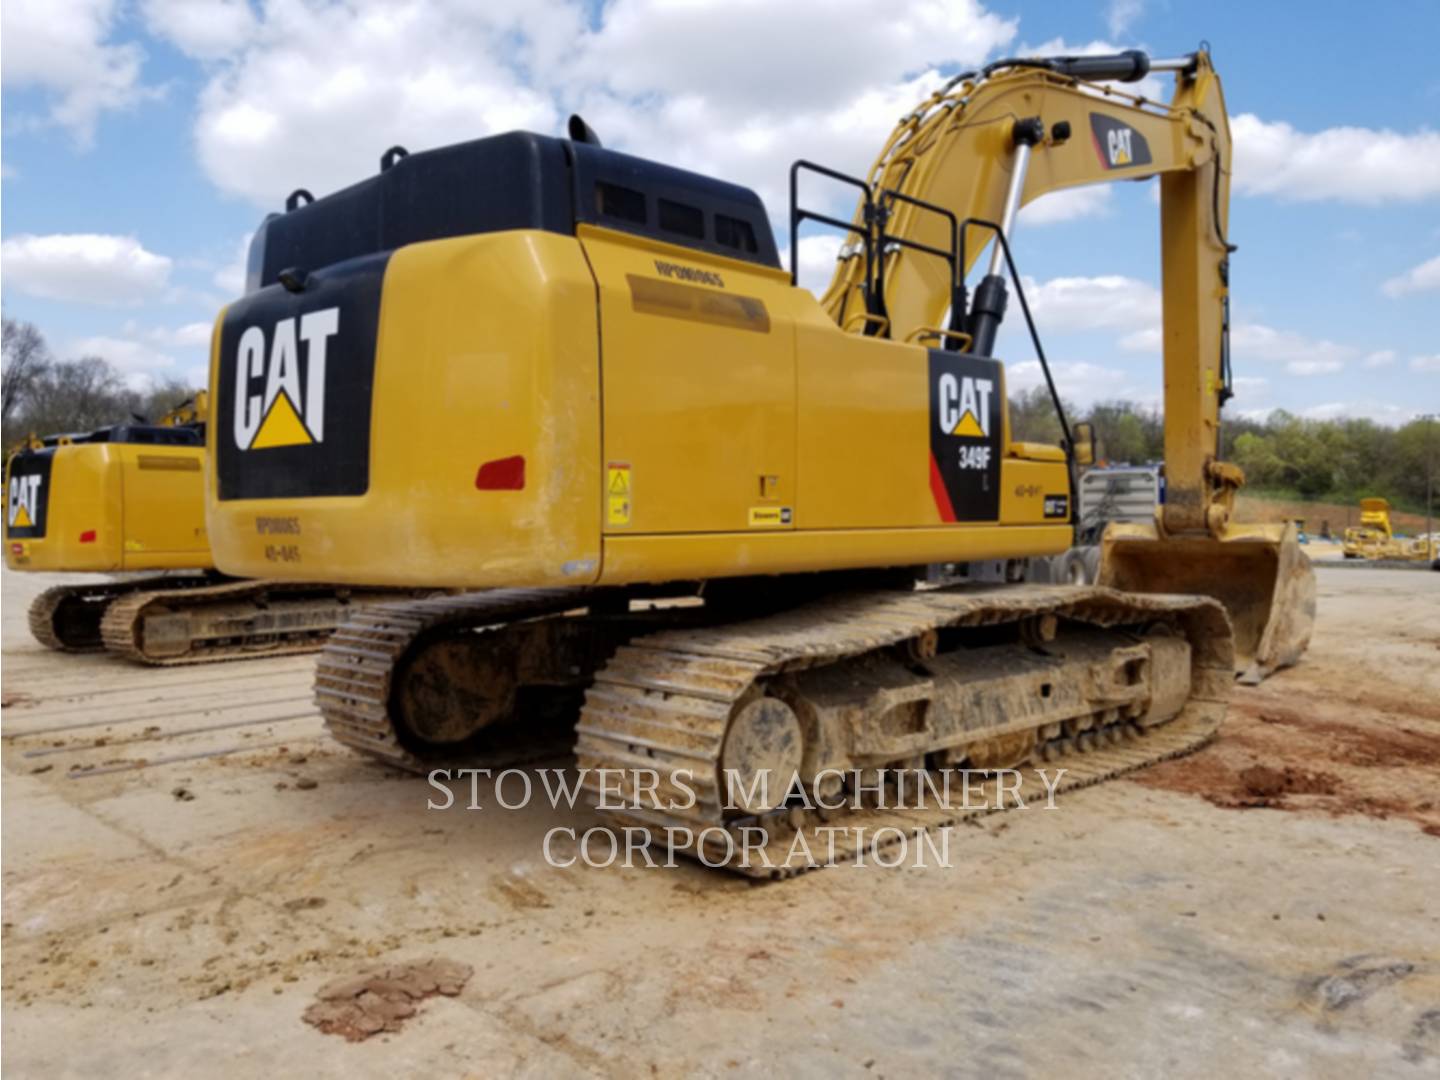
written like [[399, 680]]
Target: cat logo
[[1119, 140], [964, 406], [966, 422], [1119, 145], [290, 409], [24, 508]]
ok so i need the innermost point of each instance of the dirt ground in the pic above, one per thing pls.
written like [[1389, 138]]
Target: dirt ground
[[190, 867]]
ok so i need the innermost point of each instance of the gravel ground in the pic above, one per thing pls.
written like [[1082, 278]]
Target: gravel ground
[[190, 866]]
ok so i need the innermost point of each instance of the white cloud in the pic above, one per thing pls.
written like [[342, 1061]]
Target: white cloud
[[1379, 358], [1425, 363], [817, 260], [1067, 205], [230, 278], [63, 48], [808, 50], [1422, 278], [204, 29], [664, 81], [1120, 14], [1094, 303], [1301, 355], [189, 336], [318, 91], [130, 356], [1379, 411], [321, 90], [1148, 340], [1244, 384], [1313, 367], [84, 267], [1083, 383], [1348, 164]]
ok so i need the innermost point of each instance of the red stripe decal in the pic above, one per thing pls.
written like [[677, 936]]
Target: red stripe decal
[[937, 489], [1099, 150]]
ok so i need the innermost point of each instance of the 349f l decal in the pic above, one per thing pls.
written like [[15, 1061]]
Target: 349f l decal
[[965, 431]]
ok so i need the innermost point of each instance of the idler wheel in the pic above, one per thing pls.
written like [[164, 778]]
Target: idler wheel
[[761, 757]]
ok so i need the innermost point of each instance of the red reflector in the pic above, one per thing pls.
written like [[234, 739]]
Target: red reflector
[[88, 536], [17, 549], [502, 474]]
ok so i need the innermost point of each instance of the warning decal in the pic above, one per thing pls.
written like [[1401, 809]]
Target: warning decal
[[965, 431], [617, 494]]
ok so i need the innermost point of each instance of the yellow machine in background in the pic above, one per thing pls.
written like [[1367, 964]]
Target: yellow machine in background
[[1374, 537], [578, 380], [126, 500]]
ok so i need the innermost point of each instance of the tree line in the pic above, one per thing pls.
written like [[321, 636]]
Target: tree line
[[41, 395], [1333, 460]]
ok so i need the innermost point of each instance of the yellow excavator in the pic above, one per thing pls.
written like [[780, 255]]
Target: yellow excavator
[[130, 498], [742, 532]]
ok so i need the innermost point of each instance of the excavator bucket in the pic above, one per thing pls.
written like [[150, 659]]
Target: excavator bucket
[[1257, 571]]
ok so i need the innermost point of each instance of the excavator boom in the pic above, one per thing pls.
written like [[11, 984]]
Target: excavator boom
[[988, 143]]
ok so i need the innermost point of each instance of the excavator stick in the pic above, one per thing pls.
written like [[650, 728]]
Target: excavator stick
[[1258, 572]]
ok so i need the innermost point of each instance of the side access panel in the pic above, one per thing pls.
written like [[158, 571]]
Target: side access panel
[[698, 368], [164, 507]]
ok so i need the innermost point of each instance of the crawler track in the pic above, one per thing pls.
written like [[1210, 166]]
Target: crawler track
[[664, 703], [661, 701], [356, 673], [67, 618], [233, 620]]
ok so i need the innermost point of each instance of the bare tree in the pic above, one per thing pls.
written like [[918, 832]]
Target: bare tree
[[163, 396], [26, 359], [78, 395]]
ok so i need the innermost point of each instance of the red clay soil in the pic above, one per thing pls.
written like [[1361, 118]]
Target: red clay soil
[[1316, 755], [382, 999]]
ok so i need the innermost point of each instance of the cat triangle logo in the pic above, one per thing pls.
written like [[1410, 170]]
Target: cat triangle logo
[[282, 426], [968, 426], [22, 519], [291, 409]]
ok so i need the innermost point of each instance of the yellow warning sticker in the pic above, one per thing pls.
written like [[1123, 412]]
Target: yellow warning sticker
[[617, 494], [769, 517]]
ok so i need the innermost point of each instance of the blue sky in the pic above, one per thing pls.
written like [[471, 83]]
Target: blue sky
[[143, 140]]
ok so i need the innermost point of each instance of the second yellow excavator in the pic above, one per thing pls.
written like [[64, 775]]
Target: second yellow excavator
[[130, 499], [582, 382]]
